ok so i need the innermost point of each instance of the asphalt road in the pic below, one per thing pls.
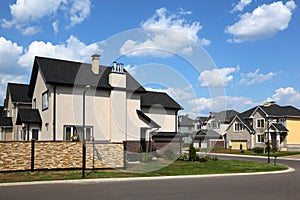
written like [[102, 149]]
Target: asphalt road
[[268, 187]]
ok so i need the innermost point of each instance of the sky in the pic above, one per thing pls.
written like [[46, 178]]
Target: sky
[[209, 55]]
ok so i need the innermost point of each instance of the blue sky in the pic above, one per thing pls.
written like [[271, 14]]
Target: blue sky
[[210, 55]]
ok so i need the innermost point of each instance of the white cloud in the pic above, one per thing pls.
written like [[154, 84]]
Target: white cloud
[[9, 53], [55, 26], [263, 22], [220, 103], [80, 10], [5, 78], [217, 77], [286, 96], [162, 30], [241, 5], [253, 78], [27, 14], [72, 49]]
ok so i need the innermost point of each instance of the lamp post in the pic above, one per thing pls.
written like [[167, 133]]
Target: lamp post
[[84, 132], [268, 143]]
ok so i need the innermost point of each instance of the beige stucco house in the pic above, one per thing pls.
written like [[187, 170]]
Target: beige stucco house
[[114, 106], [269, 122]]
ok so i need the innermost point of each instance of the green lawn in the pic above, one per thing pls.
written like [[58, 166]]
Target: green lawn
[[249, 152], [176, 168]]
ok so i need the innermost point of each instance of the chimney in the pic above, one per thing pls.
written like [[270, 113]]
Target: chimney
[[95, 63]]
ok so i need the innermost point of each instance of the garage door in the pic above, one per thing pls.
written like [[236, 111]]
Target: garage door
[[235, 144]]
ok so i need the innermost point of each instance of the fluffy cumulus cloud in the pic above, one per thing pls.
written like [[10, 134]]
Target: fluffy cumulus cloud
[[162, 30], [9, 54], [215, 104], [26, 15], [286, 96], [263, 22], [217, 77], [253, 78], [241, 5], [72, 49]]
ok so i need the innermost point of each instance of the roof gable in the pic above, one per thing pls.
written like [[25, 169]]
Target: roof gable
[[70, 73], [159, 98], [19, 92]]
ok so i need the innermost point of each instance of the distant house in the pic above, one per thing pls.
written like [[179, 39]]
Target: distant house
[[254, 127], [200, 122], [213, 128], [117, 107], [186, 127], [16, 99], [6, 126]]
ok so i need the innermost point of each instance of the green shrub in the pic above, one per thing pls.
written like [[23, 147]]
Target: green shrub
[[192, 153], [258, 150], [183, 157]]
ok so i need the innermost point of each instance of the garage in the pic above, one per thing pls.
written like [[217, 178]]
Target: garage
[[235, 144]]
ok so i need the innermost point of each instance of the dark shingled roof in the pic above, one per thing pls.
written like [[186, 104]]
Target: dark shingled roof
[[224, 116], [159, 98], [147, 119], [279, 127], [201, 134], [70, 73], [167, 137], [273, 110], [4, 121], [29, 116], [185, 121], [19, 93]]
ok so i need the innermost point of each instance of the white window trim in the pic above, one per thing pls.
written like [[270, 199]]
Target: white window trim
[[260, 134], [47, 100], [234, 130], [264, 123]]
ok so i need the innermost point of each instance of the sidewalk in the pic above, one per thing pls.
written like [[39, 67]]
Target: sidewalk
[[293, 157]]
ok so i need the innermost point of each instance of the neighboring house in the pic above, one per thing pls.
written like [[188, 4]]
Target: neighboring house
[[16, 99], [217, 124], [254, 127], [199, 122], [186, 127], [6, 126], [117, 107]]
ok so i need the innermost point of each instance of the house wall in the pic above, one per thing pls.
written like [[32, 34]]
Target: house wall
[[258, 115], [46, 115], [166, 118], [293, 125], [236, 136]]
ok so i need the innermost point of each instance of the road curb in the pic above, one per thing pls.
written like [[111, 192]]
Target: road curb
[[107, 180]]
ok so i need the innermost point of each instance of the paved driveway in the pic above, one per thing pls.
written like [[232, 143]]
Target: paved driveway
[[266, 187]]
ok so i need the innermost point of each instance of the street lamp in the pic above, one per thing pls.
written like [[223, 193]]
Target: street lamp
[[268, 143], [84, 131]]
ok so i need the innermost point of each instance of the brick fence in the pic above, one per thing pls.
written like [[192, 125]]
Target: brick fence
[[25, 155]]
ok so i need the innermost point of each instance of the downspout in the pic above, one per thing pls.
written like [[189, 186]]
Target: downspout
[[54, 113], [176, 121]]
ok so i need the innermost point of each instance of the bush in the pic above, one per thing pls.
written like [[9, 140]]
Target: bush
[[183, 157], [192, 153], [258, 150]]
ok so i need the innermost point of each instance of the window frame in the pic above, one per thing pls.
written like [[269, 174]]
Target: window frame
[[241, 127], [47, 100], [258, 122], [260, 138], [73, 128]]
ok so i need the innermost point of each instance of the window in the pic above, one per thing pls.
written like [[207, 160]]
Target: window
[[214, 124], [238, 127], [35, 134], [260, 138], [76, 133], [45, 100], [260, 123]]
